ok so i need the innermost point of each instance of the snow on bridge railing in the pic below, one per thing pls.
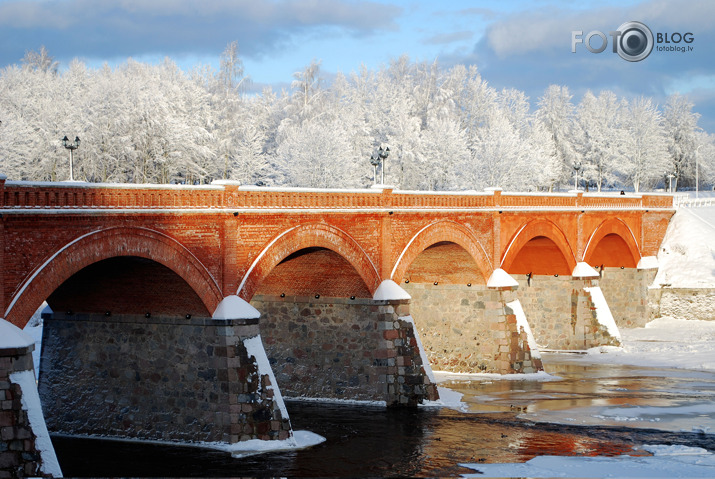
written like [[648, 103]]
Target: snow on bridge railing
[[685, 201], [230, 195]]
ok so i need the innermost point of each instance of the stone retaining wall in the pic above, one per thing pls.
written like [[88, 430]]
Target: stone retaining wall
[[339, 348], [157, 378], [682, 303], [468, 329]]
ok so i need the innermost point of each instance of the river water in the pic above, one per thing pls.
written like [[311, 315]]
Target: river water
[[586, 410]]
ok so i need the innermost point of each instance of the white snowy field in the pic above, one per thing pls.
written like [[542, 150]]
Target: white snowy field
[[686, 258]]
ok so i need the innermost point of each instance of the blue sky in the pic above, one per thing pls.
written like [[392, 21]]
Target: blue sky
[[514, 43]]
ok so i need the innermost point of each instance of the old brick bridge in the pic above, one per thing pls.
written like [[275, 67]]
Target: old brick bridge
[[150, 336]]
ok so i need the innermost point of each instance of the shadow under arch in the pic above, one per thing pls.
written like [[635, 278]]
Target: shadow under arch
[[612, 226], [442, 231], [532, 230], [321, 235], [105, 244]]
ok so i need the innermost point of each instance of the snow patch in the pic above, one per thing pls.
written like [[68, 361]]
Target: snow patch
[[540, 376], [254, 347], [233, 307], [648, 262], [31, 404], [390, 291], [603, 312], [448, 398], [501, 279], [667, 461], [521, 322], [13, 337], [584, 270], [687, 254], [299, 440]]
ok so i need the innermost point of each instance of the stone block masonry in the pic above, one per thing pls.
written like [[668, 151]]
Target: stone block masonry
[[626, 290], [562, 315], [469, 329], [158, 378], [682, 303], [21, 434], [340, 348]]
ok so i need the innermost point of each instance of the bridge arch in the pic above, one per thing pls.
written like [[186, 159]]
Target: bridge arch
[[106, 244], [612, 243], [311, 235], [441, 232], [540, 247]]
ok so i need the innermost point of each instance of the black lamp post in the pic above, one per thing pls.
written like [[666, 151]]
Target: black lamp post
[[71, 147], [375, 160]]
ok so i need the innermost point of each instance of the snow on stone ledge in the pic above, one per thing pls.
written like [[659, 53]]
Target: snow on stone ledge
[[603, 312], [233, 307], [13, 337], [648, 262], [584, 270], [423, 352], [31, 404], [254, 347], [390, 291], [501, 279], [521, 322]]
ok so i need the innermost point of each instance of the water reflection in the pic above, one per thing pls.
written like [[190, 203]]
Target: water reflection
[[601, 395], [372, 441]]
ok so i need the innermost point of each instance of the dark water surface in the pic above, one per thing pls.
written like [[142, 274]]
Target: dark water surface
[[498, 424], [368, 441]]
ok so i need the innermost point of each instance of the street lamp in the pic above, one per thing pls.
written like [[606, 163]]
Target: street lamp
[[670, 179], [71, 147], [576, 167], [375, 160]]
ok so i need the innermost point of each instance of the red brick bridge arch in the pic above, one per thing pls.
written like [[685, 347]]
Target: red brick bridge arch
[[321, 235], [105, 244], [612, 244], [437, 232], [539, 247]]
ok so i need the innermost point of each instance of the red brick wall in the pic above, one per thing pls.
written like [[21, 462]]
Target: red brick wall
[[127, 285], [314, 271]]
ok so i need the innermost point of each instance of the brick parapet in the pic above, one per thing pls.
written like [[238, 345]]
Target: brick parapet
[[24, 195]]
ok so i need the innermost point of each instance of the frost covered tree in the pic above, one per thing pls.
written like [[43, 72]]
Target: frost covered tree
[[644, 150], [446, 128], [602, 128], [681, 127], [556, 114]]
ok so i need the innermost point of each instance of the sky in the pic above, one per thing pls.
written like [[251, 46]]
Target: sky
[[514, 43]]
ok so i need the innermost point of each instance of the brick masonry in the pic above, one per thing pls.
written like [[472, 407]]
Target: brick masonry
[[158, 378], [19, 456], [338, 348], [561, 313], [469, 329]]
